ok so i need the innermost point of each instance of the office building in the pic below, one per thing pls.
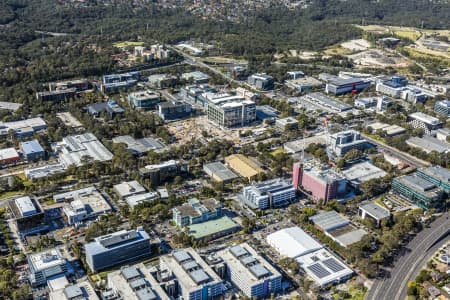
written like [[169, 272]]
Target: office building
[[318, 263], [377, 103], [213, 229], [8, 156], [321, 182], [160, 173], [443, 134], [172, 110], [248, 95], [56, 95], [392, 87], [83, 204], [195, 77], [303, 84], [196, 94], [338, 228], [140, 146], [337, 85], [45, 265], [424, 121], [117, 248], [386, 129], [194, 277], [116, 82], [244, 166], [130, 188], [78, 84], [250, 272], [442, 108], [135, 283], [23, 128], [135, 200], [44, 171], [12, 106], [326, 103], [373, 211], [109, 107], [288, 123], [264, 112], [79, 291], [81, 149], [29, 216], [219, 172], [438, 175], [428, 144], [268, 194], [261, 81], [32, 150], [162, 81], [344, 141], [362, 172], [227, 110], [196, 211], [144, 100], [419, 191]]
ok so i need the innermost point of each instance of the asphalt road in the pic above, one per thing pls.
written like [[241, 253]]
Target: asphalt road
[[419, 250], [402, 155]]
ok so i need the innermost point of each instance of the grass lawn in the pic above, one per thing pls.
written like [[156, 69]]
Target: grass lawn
[[409, 34], [127, 44], [9, 194], [277, 151]]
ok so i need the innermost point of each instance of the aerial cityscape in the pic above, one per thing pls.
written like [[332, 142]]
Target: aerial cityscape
[[246, 149]]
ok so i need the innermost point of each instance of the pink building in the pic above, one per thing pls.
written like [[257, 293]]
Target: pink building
[[322, 183]]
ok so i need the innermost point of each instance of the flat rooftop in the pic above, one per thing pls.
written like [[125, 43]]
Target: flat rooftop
[[220, 170], [139, 146], [428, 144], [329, 220], [46, 259], [69, 120], [326, 102], [302, 143], [375, 210], [8, 153], [363, 172], [126, 189], [10, 105], [419, 184], [212, 227], [90, 197], [427, 119], [293, 242], [106, 242], [437, 172]]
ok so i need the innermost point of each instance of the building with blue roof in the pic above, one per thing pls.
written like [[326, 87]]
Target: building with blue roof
[[32, 150], [117, 248]]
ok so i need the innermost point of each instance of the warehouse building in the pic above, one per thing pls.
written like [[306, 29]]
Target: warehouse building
[[338, 228], [244, 166], [140, 146], [261, 81], [389, 130], [374, 211], [419, 191], [32, 150], [44, 171], [83, 204], [73, 150], [134, 282], [326, 103], [144, 100], [268, 194], [8, 156], [318, 263], [117, 248], [23, 128], [46, 264], [250, 272], [428, 144], [219, 172]]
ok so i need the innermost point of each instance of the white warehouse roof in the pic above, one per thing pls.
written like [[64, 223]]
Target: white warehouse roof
[[293, 242]]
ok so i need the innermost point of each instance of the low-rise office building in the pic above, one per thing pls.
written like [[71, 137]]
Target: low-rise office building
[[160, 173], [362, 172], [195, 279], [196, 94], [172, 110], [337, 85], [303, 84], [344, 141], [8, 156], [425, 122], [29, 216], [45, 265], [162, 81], [268, 194], [326, 103], [116, 82], [144, 100], [288, 123], [78, 84], [195, 77], [250, 272], [32, 150], [140, 146], [438, 175], [196, 211], [428, 144], [56, 95], [442, 108], [419, 191], [83, 204], [392, 87], [261, 81], [117, 248], [378, 103], [386, 129], [109, 107], [79, 291], [23, 128]]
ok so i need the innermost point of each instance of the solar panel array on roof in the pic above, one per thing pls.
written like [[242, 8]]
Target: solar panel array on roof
[[333, 265], [318, 270]]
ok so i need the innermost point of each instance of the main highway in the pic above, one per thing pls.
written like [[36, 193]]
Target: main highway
[[394, 285]]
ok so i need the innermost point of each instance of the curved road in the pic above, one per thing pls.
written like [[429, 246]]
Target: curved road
[[421, 248]]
